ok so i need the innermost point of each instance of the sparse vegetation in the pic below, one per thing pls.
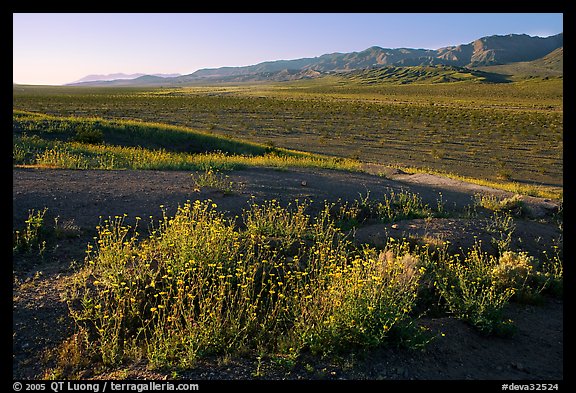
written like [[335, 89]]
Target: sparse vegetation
[[551, 273], [214, 179], [401, 206], [197, 285], [473, 293], [510, 205], [31, 237], [284, 282], [437, 126], [44, 150], [501, 226], [279, 283], [394, 206]]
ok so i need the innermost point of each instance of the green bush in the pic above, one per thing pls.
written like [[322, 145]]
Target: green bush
[[31, 237], [401, 206], [212, 178], [88, 133], [198, 285], [476, 288]]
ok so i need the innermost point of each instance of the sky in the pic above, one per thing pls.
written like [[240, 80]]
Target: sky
[[59, 48]]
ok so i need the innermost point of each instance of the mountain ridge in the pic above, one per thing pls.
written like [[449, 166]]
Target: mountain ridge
[[119, 75], [485, 51]]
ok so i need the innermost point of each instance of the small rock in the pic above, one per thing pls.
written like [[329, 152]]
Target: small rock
[[304, 183]]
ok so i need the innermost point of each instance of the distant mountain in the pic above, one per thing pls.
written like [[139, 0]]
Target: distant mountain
[[486, 51], [550, 65], [278, 76], [139, 81], [113, 77], [498, 49], [553, 60], [374, 56]]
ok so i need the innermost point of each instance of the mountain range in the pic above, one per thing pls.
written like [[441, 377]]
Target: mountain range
[[486, 51], [113, 77]]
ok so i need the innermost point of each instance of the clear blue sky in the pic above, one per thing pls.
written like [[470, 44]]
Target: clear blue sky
[[60, 48]]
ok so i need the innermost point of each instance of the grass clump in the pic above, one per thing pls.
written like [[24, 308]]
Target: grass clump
[[551, 273], [88, 133], [31, 237], [477, 286], [70, 358], [501, 226], [402, 206], [280, 283], [394, 206], [518, 270], [513, 269], [512, 205], [362, 304], [350, 215], [197, 285], [473, 292], [212, 178], [271, 222]]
